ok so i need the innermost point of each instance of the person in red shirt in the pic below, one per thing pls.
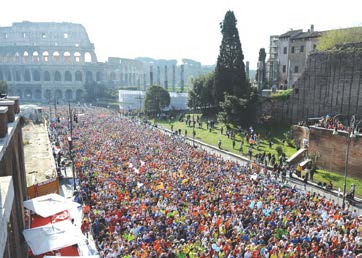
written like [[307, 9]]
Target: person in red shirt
[[85, 227]]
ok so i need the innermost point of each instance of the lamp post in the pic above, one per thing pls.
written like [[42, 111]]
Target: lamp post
[[352, 132], [70, 141]]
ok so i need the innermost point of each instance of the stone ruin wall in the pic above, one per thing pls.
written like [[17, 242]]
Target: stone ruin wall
[[330, 84]]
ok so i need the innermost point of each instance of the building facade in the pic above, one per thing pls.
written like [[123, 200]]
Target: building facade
[[12, 187], [288, 54]]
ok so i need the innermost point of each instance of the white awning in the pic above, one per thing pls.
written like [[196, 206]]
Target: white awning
[[52, 237], [50, 204]]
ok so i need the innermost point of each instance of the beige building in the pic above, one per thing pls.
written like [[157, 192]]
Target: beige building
[[288, 55]]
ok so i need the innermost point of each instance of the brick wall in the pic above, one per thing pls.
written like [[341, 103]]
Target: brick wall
[[332, 150]]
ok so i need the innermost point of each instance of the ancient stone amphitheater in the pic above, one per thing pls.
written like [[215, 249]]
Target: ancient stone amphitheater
[[45, 61]]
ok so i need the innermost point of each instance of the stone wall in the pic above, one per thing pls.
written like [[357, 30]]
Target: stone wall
[[299, 134], [330, 84], [332, 150]]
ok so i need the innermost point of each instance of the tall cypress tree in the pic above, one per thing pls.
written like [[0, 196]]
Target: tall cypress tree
[[230, 74]]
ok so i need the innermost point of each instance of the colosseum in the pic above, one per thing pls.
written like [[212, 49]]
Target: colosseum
[[45, 60]]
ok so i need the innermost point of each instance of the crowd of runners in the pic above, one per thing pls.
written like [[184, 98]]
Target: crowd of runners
[[150, 194]]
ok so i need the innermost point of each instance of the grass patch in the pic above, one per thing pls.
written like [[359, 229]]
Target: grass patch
[[338, 181], [282, 94], [276, 133]]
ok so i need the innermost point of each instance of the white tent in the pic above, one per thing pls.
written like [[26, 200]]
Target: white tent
[[52, 237], [50, 204]]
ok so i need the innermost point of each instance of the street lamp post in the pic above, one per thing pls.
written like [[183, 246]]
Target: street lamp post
[[352, 131], [70, 141]]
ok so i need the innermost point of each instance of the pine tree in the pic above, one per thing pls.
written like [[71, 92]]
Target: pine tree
[[230, 74]]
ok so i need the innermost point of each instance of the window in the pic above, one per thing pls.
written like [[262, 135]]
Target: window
[[5, 35], [314, 46], [43, 36], [285, 50], [65, 35], [292, 50], [284, 68], [296, 69], [301, 49], [24, 35]]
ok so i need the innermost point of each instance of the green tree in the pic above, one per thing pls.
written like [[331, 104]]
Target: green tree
[[334, 37], [200, 93], [3, 87], [156, 99], [232, 109], [230, 74]]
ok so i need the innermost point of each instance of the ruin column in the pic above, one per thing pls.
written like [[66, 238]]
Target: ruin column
[[151, 76], [144, 81], [158, 76], [174, 78], [182, 78], [166, 78]]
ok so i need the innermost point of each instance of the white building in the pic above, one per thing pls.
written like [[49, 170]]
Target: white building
[[133, 100]]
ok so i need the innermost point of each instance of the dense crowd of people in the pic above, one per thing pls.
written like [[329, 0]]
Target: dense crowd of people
[[150, 194]]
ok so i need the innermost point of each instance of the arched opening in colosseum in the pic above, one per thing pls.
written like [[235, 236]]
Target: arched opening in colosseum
[[66, 56], [88, 76], [17, 76], [26, 56], [17, 57], [56, 56], [28, 94], [1, 76], [79, 94], [78, 76], [27, 76], [37, 94], [58, 94], [8, 76], [48, 95], [45, 56], [35, 56], [77, 57], [36, 75], [113, 76], [87, 57], [46, 76], [8, 58], [19, 93], [68, 95], [57, 76], [99, 76], [67, 76]]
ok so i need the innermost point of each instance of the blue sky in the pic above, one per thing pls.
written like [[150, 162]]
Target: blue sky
[[171, 29]]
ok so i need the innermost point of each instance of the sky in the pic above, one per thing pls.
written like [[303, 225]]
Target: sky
[[176, 29]]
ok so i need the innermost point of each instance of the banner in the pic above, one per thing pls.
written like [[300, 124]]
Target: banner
[[43, 188]]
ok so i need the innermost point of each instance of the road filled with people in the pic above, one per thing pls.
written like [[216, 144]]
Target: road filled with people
[[150, 194]]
